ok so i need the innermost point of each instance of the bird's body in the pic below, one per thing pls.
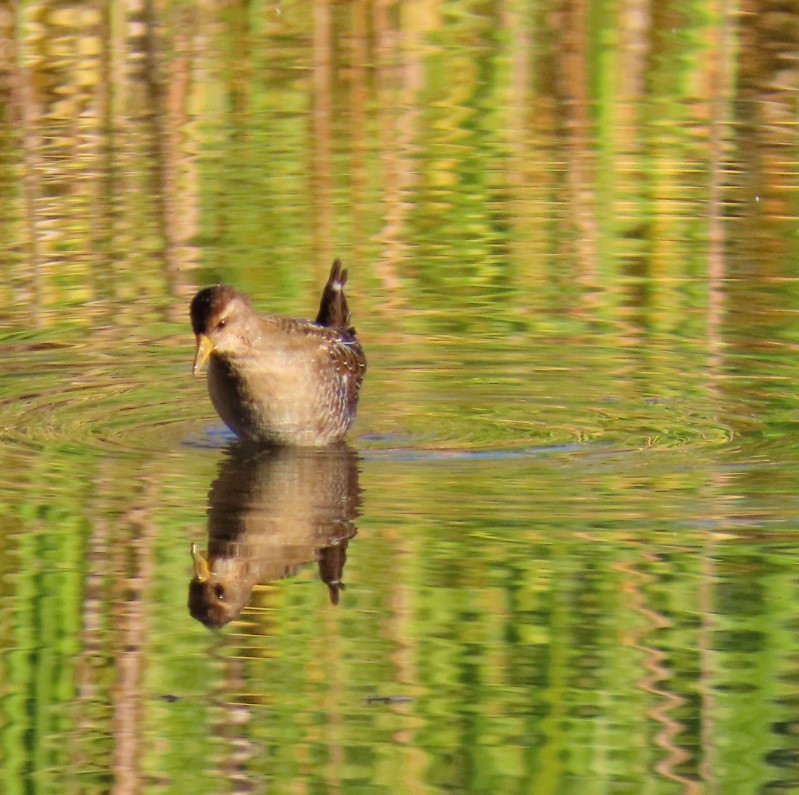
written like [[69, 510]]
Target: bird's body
[[276, 380]]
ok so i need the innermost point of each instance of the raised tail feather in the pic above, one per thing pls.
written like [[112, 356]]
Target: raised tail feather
[[333, 309]]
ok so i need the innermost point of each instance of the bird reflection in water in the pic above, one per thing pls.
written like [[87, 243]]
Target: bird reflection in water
[[270, 512]]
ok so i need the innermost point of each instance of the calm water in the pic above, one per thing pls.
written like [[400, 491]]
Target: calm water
[[560, 554]]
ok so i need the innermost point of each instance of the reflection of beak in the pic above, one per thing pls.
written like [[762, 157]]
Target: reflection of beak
[[201, 571], [204, 349]]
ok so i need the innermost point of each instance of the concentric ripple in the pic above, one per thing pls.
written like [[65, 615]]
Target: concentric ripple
[[64, 394], [132, 396]]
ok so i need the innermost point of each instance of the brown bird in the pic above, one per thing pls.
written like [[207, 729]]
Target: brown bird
[[277, 380]]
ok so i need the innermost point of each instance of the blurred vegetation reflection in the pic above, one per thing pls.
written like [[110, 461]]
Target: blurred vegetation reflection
[[571, 234]]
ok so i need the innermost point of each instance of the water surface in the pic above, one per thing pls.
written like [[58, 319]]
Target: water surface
[[559, 553]]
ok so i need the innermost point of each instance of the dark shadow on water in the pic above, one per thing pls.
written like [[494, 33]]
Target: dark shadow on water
[[216, 438], [269, 513], [421, 453], [406, 448]]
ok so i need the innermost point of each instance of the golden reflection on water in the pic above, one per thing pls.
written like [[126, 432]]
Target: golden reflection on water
[[571, 233]]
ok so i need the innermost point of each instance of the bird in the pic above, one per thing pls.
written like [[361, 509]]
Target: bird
[[279, 381]]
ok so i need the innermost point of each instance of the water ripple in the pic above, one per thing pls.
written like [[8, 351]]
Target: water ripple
[[137, 395]]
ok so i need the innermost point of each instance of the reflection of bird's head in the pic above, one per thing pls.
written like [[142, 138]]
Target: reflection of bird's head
[[221, 319], [271, 512], [213, 603], [214, 600]]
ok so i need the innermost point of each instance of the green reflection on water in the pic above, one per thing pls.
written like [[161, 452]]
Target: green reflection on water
[[571, 234]]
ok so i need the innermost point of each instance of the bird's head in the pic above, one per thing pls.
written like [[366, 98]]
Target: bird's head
[[221, 319]]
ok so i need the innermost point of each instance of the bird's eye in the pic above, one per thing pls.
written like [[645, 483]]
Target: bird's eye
[[219, 592], [222, 323]]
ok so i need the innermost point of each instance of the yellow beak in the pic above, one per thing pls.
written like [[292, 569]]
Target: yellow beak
[[204, 349], [201, 571]]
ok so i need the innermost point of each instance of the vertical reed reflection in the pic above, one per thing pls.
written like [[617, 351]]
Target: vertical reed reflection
[[134, 562], [99, 110], [322, 182], [579, 133], [657, 675], [398, 83], [233, 726], [764, 191]]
